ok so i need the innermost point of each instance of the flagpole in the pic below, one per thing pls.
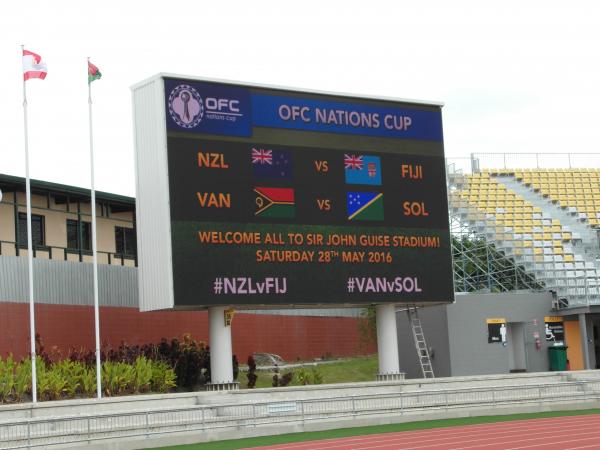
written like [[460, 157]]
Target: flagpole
[[94, 249], [29, 248]]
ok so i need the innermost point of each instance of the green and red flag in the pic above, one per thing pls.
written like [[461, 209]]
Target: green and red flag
[[93, 72], [274, 202]]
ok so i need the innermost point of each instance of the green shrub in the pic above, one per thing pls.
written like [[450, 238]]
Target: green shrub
[[7, 379], [117, 378], [72, 378], [88, 381], [71, 373], [310, 377], [142, 377], [251, 375], [22, 380], [57, 385], [163, 377], [43, 379], [317, 376], [303, 376]]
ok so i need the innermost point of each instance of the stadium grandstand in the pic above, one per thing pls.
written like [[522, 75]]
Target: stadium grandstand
[[546, 220]]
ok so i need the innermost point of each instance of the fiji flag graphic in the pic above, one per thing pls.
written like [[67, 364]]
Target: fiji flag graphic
[[362, 169], [267, 163], [365, 205]]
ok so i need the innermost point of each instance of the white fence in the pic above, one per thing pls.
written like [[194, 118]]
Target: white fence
[[82, 429]]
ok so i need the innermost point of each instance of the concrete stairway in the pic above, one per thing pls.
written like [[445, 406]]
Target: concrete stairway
[[585, 238]]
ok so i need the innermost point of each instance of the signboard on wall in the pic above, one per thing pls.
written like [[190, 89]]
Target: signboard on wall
[[496, 330], [555, 330], [284, 197]]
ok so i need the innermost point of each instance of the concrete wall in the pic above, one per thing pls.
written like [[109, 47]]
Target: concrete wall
[[458, 334], [435, 327], [470, 352]]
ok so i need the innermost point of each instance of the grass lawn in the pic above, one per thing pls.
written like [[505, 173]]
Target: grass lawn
[[355, 369], [347, 432]]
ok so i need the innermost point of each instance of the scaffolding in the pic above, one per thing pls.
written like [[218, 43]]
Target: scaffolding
[[478, 265]]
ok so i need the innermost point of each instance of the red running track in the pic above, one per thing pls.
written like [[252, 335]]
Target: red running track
[[556, 433]]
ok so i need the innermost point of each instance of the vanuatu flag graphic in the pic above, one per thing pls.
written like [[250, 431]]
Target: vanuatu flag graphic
[[274, 202], [93, 72], [362, 169], [364, 205], [268, 163]]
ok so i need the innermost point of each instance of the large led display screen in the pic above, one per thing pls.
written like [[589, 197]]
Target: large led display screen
[[284, 197]]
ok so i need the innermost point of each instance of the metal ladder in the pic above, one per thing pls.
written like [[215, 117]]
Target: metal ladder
[[420, 344]]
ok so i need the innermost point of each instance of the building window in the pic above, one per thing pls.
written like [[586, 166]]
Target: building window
[[38, 235], [125, 241], [73, 235]]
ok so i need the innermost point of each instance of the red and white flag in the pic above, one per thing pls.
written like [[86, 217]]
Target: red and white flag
[[33, 67], [353, 162], [261, 156]]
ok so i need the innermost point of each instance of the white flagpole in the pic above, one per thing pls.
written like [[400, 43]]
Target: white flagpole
[[94, 250], [29, 249]]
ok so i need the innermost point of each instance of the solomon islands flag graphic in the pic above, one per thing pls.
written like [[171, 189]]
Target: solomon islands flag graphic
[[362, 169], [268, 163], [365, 205], [274, 202]]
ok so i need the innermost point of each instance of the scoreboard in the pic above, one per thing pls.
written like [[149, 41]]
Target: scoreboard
[[260, 196]]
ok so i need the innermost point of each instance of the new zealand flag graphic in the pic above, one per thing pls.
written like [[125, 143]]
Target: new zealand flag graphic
[[268, 163]]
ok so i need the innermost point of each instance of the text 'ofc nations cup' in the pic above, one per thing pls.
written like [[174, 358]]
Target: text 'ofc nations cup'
[[253, 195]]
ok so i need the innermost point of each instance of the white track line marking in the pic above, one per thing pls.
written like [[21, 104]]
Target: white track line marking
[[595, 435], [447, 433], [553, 443], [584, 446], [528, 425]]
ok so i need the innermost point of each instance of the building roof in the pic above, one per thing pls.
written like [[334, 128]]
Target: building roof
[[10, 183]]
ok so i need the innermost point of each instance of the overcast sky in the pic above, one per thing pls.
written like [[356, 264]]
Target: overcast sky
[[518, 76]]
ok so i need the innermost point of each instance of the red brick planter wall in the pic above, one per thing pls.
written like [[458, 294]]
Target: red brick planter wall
[[66, 326]]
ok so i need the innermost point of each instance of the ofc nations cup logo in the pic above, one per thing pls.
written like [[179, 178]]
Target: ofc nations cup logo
[[185, 106]]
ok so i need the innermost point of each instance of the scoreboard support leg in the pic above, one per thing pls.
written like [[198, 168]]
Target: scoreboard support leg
[[221, 363], [387, 343]]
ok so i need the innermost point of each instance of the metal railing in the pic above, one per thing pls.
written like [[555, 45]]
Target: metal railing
[[37, 432], [525, 160], [12, 248]]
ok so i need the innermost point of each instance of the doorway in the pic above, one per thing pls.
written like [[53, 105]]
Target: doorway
[[515, 340]]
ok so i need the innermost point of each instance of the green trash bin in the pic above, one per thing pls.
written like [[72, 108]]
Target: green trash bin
[[558, 357]]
